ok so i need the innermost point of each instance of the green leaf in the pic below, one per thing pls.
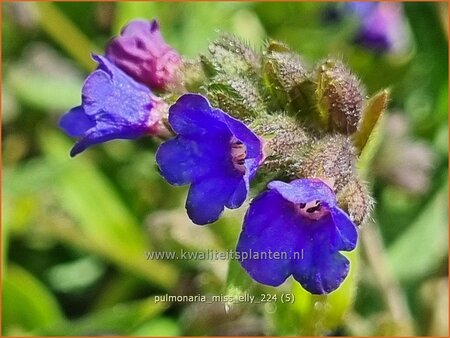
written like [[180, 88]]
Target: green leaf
[[75, 276], [121, 319], [104, 221], [44, 91], [66, 34], [26, 302], [421, 248], [369, 119], [238, 281], [432, 50], [159, 327]]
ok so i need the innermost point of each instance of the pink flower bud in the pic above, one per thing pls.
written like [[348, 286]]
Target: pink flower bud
[[142, 53]]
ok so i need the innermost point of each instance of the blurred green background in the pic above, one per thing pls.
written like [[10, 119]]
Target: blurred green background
[[75, 231]]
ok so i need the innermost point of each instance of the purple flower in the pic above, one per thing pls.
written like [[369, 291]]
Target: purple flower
[[362, 9], [141, 52], [381, 25], [215, 153], [114, 106], [297, 228]]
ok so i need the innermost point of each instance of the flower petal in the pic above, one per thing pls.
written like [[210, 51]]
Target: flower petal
[[243, 133], [322, 268], [103, 133], [192, 116], [114, 107], [207, 198], [206, 154], [253, 143], [239, 195], [304, 191], [346, 230], [183, 161], [110, 91], [75, 122], [320, 273], [268, 227]]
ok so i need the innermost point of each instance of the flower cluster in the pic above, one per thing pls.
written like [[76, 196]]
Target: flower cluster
[[219, 138]]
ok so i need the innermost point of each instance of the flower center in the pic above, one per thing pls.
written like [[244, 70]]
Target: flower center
[[313, 210], [238, 154]]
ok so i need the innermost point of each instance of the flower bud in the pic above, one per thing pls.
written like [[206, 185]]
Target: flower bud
[[284, 72], [355, 200], [141, 52], [238, 96], [193, 76], [340, 97], [331, 158], [231, 56], [286, 140]]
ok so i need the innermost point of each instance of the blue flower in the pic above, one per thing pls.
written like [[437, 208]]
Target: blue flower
[[114, 106], [213, 152], [297, 228]]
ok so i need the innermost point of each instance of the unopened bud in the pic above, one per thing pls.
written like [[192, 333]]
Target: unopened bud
[[355, 199], [286, 141], [284, 71], [332, 158], [193, 75], [340, 97], [141, 52], [231, 56], [238, 96]]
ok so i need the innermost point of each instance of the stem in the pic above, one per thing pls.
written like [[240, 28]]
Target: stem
[[62, 30], [389, 286]]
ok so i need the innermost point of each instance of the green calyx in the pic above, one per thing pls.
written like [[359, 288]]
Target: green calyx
[[230, 56], [238, 96], [283, 73], [340, 97]]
